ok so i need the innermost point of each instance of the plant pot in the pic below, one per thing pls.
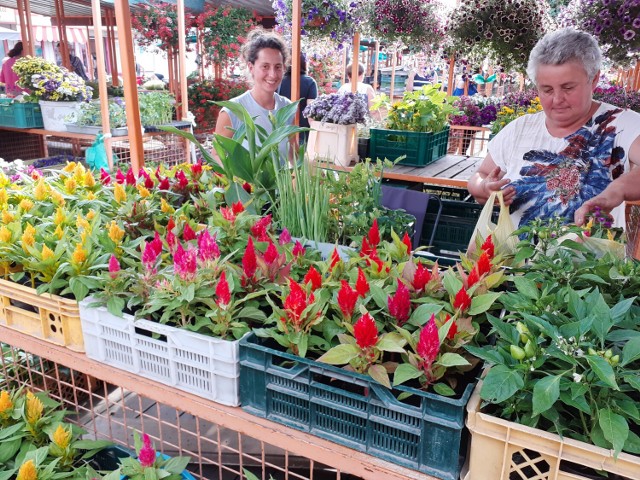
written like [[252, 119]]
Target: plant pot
[[329, 141], [94, 129], [363, 148], [53, 114]]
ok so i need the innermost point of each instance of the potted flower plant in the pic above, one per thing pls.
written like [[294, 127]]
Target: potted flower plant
[[473, 113], [58, 91], [333, 119], [88, 118]]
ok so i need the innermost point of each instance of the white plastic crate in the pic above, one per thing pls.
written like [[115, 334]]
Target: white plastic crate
[[204, 366]]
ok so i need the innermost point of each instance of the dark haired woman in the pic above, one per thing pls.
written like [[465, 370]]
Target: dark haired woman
[[308, 92], [266, 57], [7, 75]]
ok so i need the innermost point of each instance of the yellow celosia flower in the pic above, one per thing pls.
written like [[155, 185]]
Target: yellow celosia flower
[[78, 173], [59, 232], [91, 214], [62, 437], [83, 236], [119, 194], [79, 254], [26, 204], [4, 196], [5, 234], [82, 222], [28, 237], [70, 185], [116, 234], [47, 253], [89, 179], [4, 180], [7, 216], [40, 192], [71, 166], [91, 196], [5, 402], [59, 217], [34, 408], [144, 193], [57, 197], [165, 207], [27, 471]]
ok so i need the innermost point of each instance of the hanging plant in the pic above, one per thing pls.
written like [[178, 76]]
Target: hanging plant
[[414, 23], [157, 24], [223, 30], [322, 19], [503, 30], [615, 23], [202, 93]]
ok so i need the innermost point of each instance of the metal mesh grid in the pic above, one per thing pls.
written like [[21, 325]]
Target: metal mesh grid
[[470, 141], [20, 145], [158, 149], [109, 412]]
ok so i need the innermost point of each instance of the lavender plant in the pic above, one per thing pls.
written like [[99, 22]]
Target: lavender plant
[[343, 109]]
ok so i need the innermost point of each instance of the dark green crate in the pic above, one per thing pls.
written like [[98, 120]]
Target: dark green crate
[[20, 115], [420, 148], [424, 434]]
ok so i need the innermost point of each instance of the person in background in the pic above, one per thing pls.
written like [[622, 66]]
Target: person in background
[[421, 75], [76, 64], [362, 88], [308, 91], [265, 54], [459, 87], [7, 75], [551, 163]]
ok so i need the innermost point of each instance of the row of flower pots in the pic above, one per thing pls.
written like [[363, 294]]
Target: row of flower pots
[[166, 249]]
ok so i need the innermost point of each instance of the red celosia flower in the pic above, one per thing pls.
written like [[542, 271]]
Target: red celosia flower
[[259, 229], [237, 207], [184, 263], [366, 332], [223, 294], [295, 303], [130, 179], [298, 249], [147, 455], [365, 249], [183, 181], [149, 255], [164, 183], [247, 187], [227, 214], [400, 304], [156, 243], [473, 278], [484, 263], [271, 254], [429, 343], [378, 261], [488, 247], [374, 234], [249, 261], [453, 329], [313, 277], [407, 241], [421, 277], [462, 300], [148, 182], [207, 247], [285, 237], [335, 258], [362, 285], [347, 298], [105, 178], [196, 169], [188, 233], [171, 224], [114, 266], [120, 178]]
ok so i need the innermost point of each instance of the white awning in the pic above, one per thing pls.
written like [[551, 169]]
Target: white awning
[[8, 34], [50, 34]]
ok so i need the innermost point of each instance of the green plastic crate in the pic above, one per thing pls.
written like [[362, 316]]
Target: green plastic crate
[[420, 148], [20, 115], [425, 433]]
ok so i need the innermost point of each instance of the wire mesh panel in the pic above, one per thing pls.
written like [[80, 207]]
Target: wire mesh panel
[[470, 141], [20, 145], [158, 149]]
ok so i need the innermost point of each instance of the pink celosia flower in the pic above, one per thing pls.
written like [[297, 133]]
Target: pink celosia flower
[[260, 228], [249, 260], [207, 246], [247, 187], [147, 455], [120, 178], [400, 304], [164, 183], [184, 263], [148, 182], [428, 344], [285, 237], [105, 178], [114, 266], [149, 255], [366, 332], [227, 214], [298, 249], [223, 294], [156, 243], [183, 181], [130, 179], [347, 298]]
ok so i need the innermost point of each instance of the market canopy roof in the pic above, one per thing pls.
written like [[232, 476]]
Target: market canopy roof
[[8, 34], [82, 8]]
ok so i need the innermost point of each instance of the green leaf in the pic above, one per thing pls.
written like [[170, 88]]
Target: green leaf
[[603, 370], [527, 287], [449, 359], [10, 448], [488, 354], [340, 354], [500, 384], [177, 465], [451, 282], [379, 296], [391, 342], [405, 372], [632, 445], [614, 428], [379, 374], [7, 474], [545, 393], [523, 254], [482, 303], [629, 407], [632, 380], [620, 309], [444, 390], [422, 314], [631, 351], [115, 305]]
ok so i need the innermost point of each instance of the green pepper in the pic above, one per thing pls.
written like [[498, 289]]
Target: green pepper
[[516, 352]]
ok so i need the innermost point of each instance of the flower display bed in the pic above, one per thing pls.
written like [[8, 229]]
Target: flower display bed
[[20, 115], [353, 409], [420, 148], [501, 450], [50, 317], [198, 364]]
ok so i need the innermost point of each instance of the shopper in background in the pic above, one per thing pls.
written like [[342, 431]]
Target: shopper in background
[[362, 88], [308, 91], [7, 75], [421, 75], [76, 64]]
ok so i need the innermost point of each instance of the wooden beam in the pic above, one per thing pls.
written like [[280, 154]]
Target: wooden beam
[[24, 14], [394, 62], [102, 79], [452, 74], [355, 63], [376, 66], [296, 41]]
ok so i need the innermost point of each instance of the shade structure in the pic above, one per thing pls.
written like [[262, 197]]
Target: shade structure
[[8, 34], [50, 34]]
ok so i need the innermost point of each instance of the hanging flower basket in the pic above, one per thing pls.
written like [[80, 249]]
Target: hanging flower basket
[[157, 24], [504, 30]]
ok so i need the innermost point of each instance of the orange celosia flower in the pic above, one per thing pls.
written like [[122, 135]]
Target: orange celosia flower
[[41, 190], [4, 196], [5, 234], [116, 234], [91, 214], [79, 254], [57, 197], [59, 232], [26, 204], [59, 217], [165, 207], [88, 179], [27, 471], [7, 216], [5, 402], [70, 185], [34, 408], [82, 223], [70, 167], [144, 192]]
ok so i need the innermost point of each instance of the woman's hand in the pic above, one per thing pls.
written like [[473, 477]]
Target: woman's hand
[[495, 181]]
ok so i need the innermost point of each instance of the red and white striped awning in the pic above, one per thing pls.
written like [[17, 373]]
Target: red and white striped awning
[[50, 34]]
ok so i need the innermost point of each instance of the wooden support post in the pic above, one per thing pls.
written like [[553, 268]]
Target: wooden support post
[[24, 13], [295, 55], [344, 66], [452, 74], [394, 62], [111, 39], [355, 63], [62, 35], [376, 66], [89, 54]]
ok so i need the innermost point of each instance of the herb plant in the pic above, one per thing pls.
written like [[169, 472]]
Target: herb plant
[[156, 108]]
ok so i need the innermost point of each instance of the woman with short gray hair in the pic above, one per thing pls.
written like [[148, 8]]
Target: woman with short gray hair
[[550, 163]]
